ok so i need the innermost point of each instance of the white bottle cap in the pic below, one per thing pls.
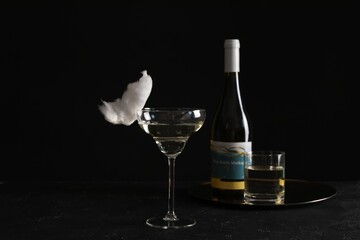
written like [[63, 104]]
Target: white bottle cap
[[232, 43], [232, 55]]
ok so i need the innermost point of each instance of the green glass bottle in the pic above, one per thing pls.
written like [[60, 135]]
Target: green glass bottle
[[231, 135]]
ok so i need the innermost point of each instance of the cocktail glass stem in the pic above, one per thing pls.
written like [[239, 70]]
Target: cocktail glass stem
[[171, 216]]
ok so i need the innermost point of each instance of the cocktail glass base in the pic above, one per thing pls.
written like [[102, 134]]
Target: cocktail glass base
[[160, 222]]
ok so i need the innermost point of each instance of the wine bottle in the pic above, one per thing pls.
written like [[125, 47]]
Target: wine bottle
[[230, 132]]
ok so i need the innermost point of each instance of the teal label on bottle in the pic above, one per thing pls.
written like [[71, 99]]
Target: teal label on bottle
[[228, 159]]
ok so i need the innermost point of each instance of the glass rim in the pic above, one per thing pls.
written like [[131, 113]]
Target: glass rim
[[265, 152], [172, 109]]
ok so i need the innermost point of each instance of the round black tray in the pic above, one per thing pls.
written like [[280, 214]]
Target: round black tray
[[297, 192]]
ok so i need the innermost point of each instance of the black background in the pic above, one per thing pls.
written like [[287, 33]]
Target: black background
[[299, 83]]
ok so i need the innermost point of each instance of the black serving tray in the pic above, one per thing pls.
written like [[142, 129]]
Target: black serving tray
[[297, 192]]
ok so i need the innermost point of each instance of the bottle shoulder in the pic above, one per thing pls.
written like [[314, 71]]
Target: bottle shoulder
[[230, 114]]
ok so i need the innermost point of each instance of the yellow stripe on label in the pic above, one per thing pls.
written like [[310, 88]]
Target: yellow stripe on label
[[218, 183]]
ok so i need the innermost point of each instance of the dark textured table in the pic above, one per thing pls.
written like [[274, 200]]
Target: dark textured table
[[117, 210]]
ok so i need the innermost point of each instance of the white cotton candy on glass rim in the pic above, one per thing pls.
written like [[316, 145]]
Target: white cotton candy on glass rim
[[124, 110]]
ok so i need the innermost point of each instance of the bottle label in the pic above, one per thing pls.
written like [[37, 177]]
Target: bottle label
[[228, 159]]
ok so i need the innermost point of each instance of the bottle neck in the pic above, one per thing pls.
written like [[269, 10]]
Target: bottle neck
[[232, 87]]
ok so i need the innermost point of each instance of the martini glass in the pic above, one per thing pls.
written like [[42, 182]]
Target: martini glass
[[171, 128]]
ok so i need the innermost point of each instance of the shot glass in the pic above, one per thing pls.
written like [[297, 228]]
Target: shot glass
[[264, 177]]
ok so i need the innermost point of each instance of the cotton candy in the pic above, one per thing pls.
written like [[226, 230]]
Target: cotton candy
[[124, 110]]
